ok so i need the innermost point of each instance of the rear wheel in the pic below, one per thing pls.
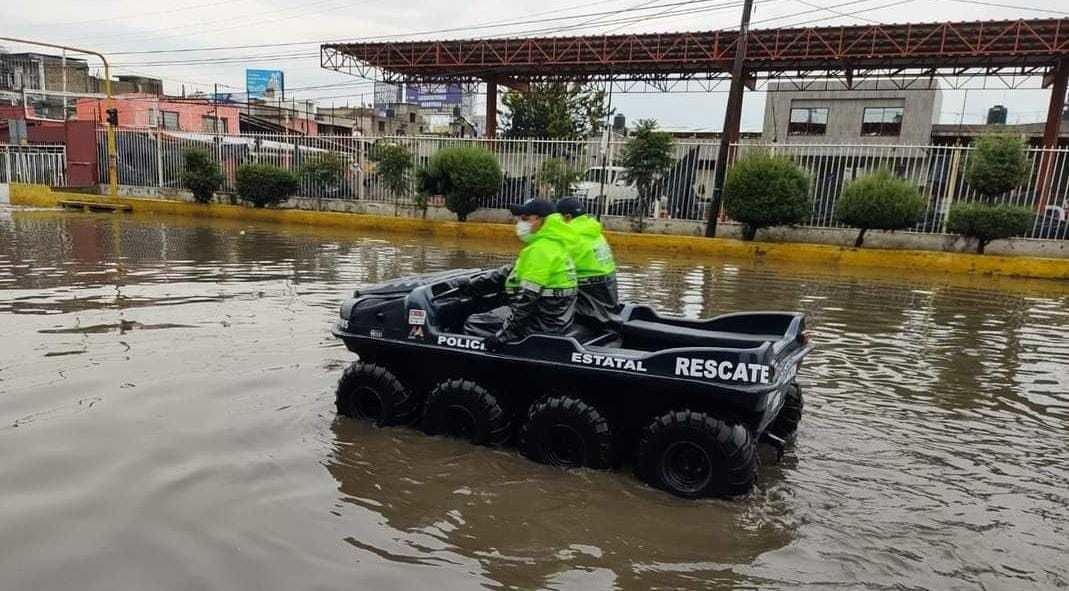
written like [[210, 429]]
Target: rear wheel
[[691, 454], [785, 426], [567, 432], [466, 410], [370, 392]]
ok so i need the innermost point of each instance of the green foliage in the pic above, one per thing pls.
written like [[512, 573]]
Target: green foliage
[[201, 175], [879, 201], [263, 184], [560, 177], [646, 157], [324, 170], [997, 164], [393, 162], [557, 110], [986, 222], [464, 175], [762, 191]]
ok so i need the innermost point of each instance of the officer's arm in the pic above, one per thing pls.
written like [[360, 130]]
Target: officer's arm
[[533, 272], [490, 282]]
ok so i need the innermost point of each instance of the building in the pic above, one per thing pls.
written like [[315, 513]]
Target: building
[[876, 112], [168, 113]]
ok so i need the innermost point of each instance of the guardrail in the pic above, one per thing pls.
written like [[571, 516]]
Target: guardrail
[[152, 157], [36, 164]]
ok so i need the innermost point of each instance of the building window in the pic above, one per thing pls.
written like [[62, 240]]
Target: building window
[[882, 121], [213, 124], [411, 117], [808, 121], [382, 127], [170, 120]]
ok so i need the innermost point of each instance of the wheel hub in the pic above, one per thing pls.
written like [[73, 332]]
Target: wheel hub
[[686, 466]]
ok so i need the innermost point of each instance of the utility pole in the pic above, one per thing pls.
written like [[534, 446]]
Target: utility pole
[[732, 118], [113, 158]]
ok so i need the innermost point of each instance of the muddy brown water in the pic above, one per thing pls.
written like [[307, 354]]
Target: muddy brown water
[[167, 422]]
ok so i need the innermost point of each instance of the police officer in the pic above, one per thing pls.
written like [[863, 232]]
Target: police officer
[[541, 286], [595, 266]]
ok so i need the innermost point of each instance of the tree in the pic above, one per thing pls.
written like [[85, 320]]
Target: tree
[[464, 175], [393, 162], [263, 184], [646, 158], [879, 201], [201, 175], [998, 164], [559, 176], [986, 222], [762, 191], [557, 110]]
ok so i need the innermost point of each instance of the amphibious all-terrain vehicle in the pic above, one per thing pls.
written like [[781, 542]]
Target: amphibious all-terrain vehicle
[[684, 401]]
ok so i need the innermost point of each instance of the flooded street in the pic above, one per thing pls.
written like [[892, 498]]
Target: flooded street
[[167, 422]]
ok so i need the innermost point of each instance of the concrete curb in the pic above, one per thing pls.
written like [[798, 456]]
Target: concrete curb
[[945, 262]]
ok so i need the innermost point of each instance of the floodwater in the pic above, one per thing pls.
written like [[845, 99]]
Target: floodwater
[[167, 422]]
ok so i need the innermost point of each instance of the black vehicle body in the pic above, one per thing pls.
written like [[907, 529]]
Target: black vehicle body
[[737, 367]]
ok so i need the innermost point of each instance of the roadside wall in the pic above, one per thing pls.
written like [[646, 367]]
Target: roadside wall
[[901, 260]]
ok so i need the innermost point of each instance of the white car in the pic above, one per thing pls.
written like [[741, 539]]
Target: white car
[[616, 189]]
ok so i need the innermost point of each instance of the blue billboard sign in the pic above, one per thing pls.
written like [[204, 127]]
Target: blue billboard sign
[[261, 84], [437, 97]]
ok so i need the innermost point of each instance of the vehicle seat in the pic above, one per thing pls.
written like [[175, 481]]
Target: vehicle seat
[[668, 336]]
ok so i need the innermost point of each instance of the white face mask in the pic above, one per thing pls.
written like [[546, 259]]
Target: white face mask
[[523, 230]]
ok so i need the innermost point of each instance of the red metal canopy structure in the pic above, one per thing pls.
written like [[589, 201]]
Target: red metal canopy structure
[[1003, 49]]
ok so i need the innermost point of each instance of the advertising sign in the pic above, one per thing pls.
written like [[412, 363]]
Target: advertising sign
[[435, 97], [265, 84]]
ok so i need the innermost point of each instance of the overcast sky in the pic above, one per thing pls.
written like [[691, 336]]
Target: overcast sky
[[120, 26]]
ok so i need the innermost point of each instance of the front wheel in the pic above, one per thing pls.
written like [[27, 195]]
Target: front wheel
[[691, 454], [370, 392], [567, 432]]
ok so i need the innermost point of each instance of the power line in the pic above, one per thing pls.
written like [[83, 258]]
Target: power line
[[1013, 7]]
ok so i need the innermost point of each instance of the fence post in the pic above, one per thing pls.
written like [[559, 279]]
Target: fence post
[[952, 182], [159, 157], [7, 166]]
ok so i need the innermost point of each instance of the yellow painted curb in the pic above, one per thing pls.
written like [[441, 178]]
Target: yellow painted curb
[[931, 261]]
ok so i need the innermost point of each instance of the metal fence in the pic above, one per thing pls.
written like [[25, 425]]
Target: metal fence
[[938, 171], [37, 164], [150, 157]]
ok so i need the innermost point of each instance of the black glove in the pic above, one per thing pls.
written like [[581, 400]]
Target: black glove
[[492, 342], [463, 285]]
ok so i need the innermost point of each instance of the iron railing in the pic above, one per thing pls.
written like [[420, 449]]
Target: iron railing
[[151, 157], [36, 164]]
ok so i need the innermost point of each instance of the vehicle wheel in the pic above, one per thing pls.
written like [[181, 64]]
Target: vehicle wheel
[[466, 410], [371, 392], [691, 454], [785, 426], [567, 432]]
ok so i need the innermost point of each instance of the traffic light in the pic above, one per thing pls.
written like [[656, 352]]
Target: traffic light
[[113, 116]]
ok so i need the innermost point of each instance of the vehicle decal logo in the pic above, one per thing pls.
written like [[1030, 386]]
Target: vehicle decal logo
[[417, 317], [416, 332], [375, 333], [728, 371], [607, 361]]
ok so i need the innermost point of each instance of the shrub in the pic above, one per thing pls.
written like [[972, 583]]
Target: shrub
[[324, 170], [201, 175], [263, 184], [986, 222], [560, 177], [879, 201], [997, 164], [763, 191], [463, 175]]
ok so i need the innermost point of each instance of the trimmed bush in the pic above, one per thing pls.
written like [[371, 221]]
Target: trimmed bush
[[201, 175], [997, 164], [464, 175], [762, 191], [263, 184], [986, 222], [879, 201]]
